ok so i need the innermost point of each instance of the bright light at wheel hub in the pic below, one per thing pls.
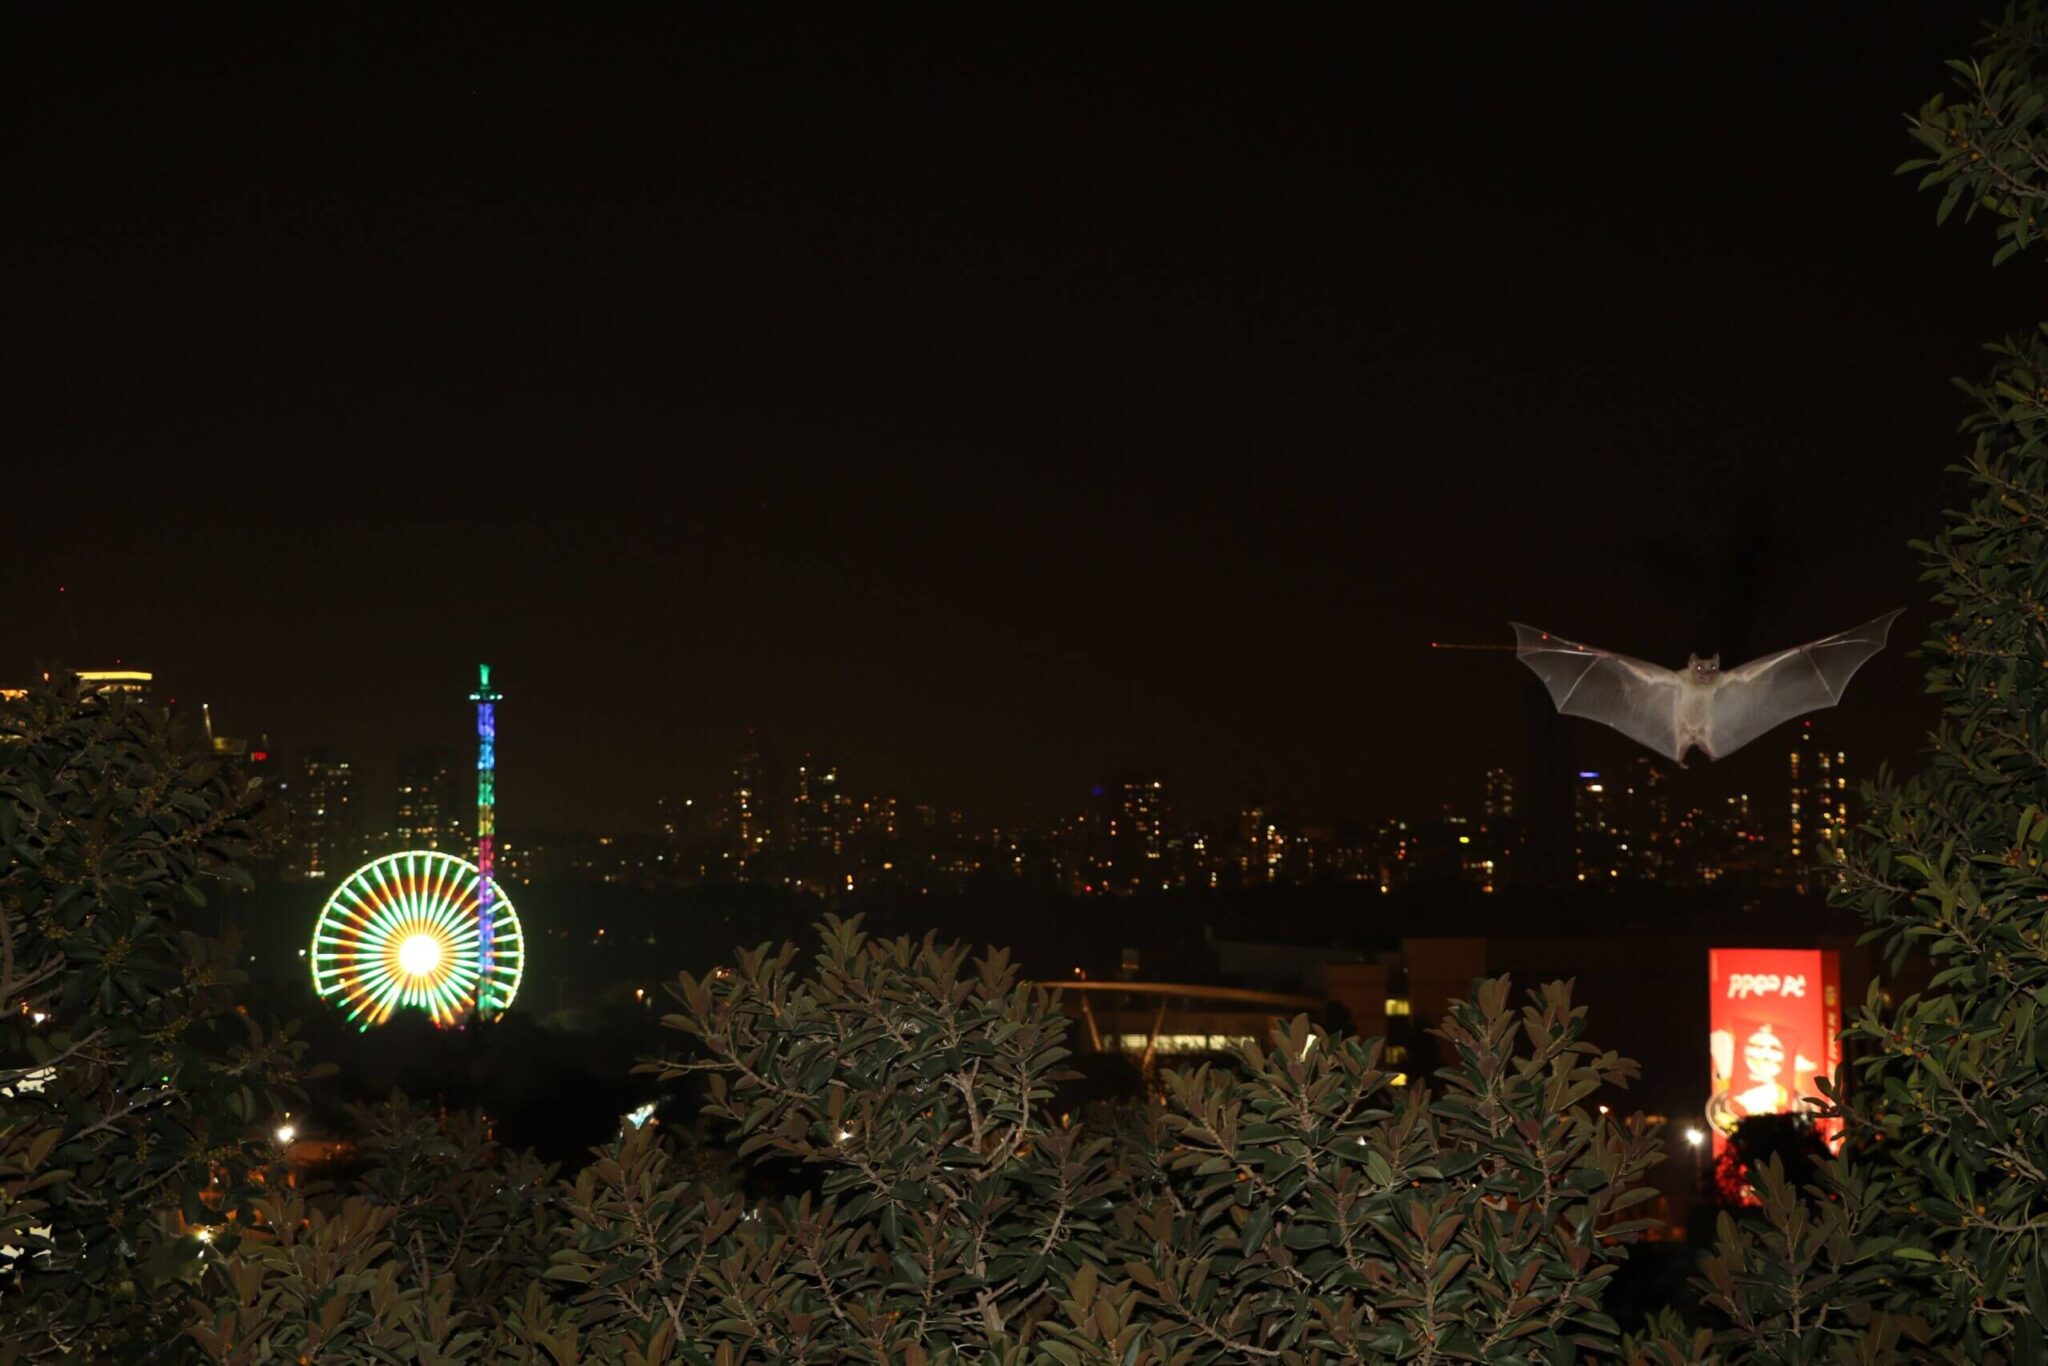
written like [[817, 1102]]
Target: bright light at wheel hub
[[419, 955]]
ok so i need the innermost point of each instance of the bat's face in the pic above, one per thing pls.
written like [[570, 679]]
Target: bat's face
[[1704, 670]]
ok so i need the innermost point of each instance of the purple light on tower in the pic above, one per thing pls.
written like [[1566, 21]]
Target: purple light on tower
[[486, 700]]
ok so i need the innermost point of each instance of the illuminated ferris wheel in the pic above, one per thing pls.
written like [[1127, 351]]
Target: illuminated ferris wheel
[[405, 932], [424, 930]]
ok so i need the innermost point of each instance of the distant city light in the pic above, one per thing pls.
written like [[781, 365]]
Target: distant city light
[[1695, 1137], [286, 1133]]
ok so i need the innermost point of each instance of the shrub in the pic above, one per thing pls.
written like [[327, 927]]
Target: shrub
[[129, 1083], [1298, 1207], [1934, 1230]]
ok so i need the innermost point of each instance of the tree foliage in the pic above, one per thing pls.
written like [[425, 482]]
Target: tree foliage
[[129, 1082], [1930, 1237], [1986, 142], [1296, 1207]]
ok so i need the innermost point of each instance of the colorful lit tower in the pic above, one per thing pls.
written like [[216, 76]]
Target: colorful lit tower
[[486, 699], [422, 929]]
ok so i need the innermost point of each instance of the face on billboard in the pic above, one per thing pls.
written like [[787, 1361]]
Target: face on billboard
[[1777, 1023]]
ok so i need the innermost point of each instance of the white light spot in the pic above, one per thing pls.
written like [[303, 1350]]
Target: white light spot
[[419, 955]]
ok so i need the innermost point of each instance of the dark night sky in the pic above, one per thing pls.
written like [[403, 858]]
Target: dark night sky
[[993, 400]]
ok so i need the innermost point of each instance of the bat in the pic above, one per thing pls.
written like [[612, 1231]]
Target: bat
[[1719, 711]]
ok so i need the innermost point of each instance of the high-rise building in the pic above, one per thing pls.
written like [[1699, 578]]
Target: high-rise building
[[1499, 834], [323, 807], [1818, 818], [1595, 839], [1141, 815], [688, 844], [877, 818], [818, 809], [1392, 841], [1135, 822], [1500, 795], [436, 799], [1261, 845], [1644, 833], [745, 808]]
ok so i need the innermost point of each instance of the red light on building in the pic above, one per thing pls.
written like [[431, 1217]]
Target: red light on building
[[258, 756], [1776, 1017]]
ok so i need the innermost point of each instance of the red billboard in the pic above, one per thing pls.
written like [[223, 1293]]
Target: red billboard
[[1776, 1019]]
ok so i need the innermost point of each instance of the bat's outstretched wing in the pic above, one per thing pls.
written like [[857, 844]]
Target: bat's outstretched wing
[[1639, 700], [1767, 692]]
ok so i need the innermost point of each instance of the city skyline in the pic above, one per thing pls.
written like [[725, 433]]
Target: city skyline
[[807, 823], [441, 773]]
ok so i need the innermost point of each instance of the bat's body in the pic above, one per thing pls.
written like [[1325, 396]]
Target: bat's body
[[1695, 720], [1700, 706]]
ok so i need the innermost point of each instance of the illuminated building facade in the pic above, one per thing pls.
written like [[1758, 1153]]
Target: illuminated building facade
[[818, 809], [684, 846], [322, 796], [1140, 816], [1262, 846], [435, 798], [746, 802], [1500, 795], [877, 818], [1595, 839], [1818, 789], [1134, 824], [136, 683]]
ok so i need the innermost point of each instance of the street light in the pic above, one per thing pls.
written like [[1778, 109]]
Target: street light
[[1696, 1139]]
